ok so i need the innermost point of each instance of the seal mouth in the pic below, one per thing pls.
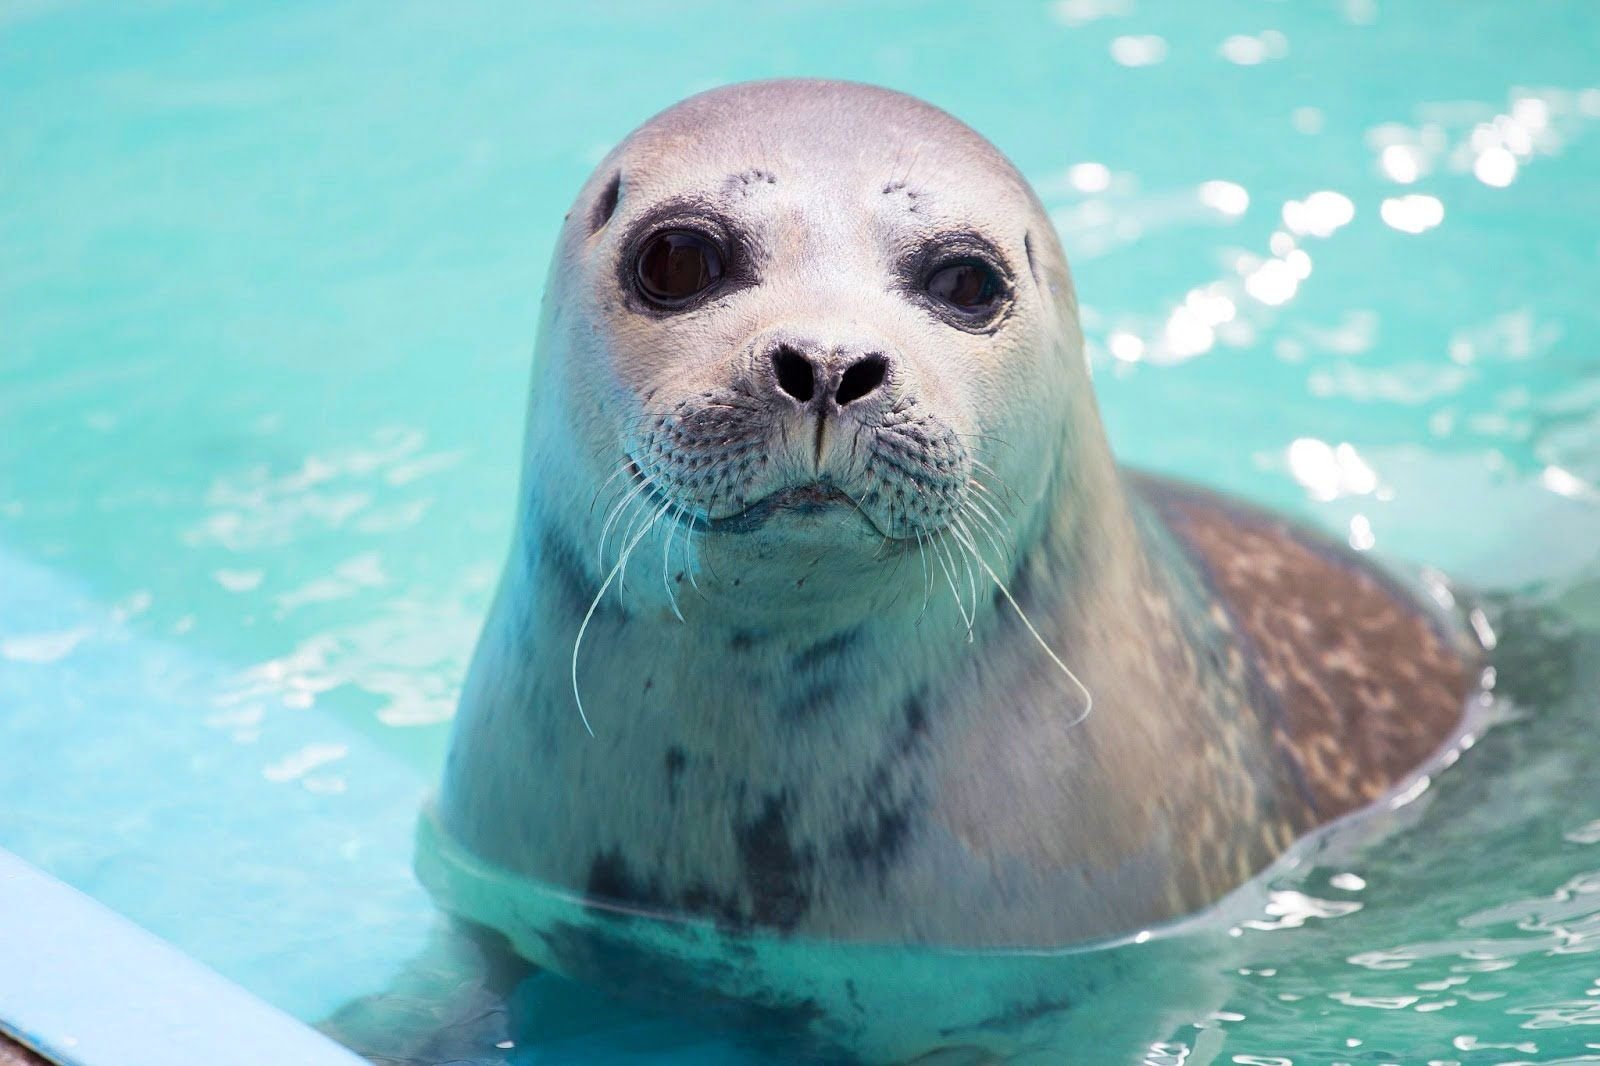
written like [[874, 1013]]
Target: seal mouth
[[808, 498]]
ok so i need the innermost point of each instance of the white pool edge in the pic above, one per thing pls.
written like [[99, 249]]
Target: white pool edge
[[84, 986]]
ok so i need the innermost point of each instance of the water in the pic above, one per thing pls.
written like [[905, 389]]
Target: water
[[268, 282]]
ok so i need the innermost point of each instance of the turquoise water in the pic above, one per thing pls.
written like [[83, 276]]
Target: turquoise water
[[268, 284]]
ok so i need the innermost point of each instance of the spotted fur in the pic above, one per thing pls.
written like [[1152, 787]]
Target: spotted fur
[[1362, 686]]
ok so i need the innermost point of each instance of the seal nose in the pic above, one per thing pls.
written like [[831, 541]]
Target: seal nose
[[843, 376]]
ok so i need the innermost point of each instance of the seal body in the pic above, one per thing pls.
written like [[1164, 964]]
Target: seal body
[[878, 643]]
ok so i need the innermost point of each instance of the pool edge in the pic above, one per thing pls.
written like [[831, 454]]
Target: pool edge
[[82, 986]]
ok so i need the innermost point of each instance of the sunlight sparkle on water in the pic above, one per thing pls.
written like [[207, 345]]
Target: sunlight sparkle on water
[[41, 647], [1089, 177], [1328, 472], [1139, 51], [1125, 346], [300, 763], [1415, 213], [1291, 909], [1565, 483], [1273, 283], [1210, 306], [1225, 196], [1361, 536], [1401, 162], [1320, 214], [1080, 12], [1247, 51], [1496, 167], [1187, 334], [1307, 120]]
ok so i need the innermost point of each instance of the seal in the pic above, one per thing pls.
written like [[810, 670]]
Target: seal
[[829, 613]]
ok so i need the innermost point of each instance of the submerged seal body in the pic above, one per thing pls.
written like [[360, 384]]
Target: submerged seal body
[[878, 643]]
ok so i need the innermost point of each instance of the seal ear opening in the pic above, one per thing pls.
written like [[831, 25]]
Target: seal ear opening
[[1033, 267], [605, 204]]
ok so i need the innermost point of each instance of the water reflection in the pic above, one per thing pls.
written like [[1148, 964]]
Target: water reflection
[[1139, 51], [1081, 12], [1247, 50], [1493, 145], [1319, 215], [1412, 214], [1566, 483], [1226, 197], [1402, 163]]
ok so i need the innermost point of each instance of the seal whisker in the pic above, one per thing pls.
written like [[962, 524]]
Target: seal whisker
[[645, 482], [633, 516], [682, 516], [946, 563], [927, 577], [987, 525], [984, 438], [624, 464], [622, 468], [641, 510], [613, 506], [1088, 697], [972, 582], [719, 491], [987, 500], [888, 542], [583, 627], [1005, 489], [691, 556], [979, 464], [1000, 498], [666, 564], [618, 509]]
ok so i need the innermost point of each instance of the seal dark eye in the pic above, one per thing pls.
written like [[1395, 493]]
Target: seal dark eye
[[676, 266], [967, 285]]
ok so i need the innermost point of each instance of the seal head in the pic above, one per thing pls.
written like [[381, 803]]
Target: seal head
[[802, 331]]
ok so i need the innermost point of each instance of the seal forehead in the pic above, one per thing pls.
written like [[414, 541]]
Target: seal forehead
[[848, 136]]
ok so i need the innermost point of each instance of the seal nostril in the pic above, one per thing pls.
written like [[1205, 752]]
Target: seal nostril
[[795, 376], [861, 379]]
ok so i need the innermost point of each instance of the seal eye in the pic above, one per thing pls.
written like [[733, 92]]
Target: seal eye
[[676, 266], [966, 285]]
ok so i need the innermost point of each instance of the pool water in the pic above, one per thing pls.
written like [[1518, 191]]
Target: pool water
[[268, 286]]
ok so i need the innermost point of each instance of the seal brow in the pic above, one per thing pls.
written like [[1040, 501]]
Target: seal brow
[[605, 204]]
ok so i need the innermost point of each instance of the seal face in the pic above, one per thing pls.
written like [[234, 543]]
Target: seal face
[[829, 611]]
